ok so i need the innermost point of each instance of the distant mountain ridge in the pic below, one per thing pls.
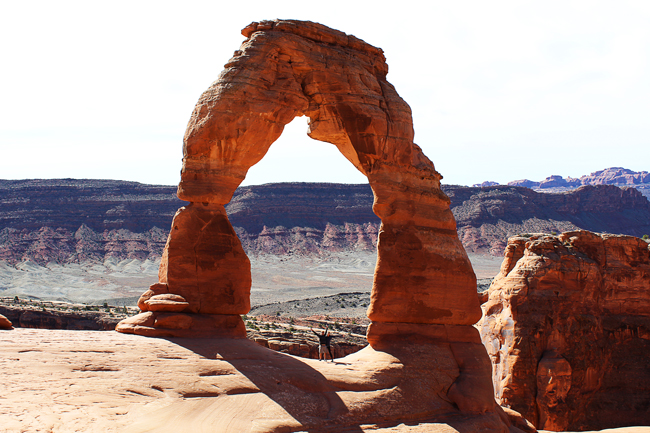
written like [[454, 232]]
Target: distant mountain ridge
[[73, 221], [618, 176]]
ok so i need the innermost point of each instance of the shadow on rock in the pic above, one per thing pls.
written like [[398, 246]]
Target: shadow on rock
[[298, 388]]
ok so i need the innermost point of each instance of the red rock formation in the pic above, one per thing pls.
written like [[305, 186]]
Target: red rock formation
[[487, 217], [278, 74], [5, 323], [424, 298], [616, 176], [32, 316], [567, 326]]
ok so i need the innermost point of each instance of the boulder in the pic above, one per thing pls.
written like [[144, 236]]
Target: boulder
[[5, 323], [567, 328]]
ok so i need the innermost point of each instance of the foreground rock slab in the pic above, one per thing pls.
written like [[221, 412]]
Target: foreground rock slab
[[61, 381]]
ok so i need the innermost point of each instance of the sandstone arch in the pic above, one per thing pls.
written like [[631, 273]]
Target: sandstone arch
[[423, 281]]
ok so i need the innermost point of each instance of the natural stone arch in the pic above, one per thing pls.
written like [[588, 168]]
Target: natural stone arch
[[286, 69]]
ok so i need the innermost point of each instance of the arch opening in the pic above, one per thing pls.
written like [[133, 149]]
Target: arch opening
[[295, 156]]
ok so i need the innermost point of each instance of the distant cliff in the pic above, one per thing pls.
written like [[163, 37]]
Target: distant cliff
[[487, 217], [610, 176], [66, 220], [70, 220]]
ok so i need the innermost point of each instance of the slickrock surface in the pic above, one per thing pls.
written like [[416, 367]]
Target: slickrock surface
[[567, 326], [66, 381]]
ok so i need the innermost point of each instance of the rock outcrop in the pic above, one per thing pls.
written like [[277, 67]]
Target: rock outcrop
[[5, 323], [98, 204], [423, 301], [32, 317], [69, 221], [567, 327]]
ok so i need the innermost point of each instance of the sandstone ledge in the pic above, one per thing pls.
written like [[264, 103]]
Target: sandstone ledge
[[107, 381]]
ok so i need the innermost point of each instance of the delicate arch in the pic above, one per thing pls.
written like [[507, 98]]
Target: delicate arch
[[285, 69]]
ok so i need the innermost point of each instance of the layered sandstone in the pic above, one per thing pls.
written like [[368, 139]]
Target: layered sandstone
[[567, 326], [57, 316], [487, 217], [38, 224]]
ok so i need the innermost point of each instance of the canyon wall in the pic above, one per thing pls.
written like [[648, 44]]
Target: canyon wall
[[72, 221], [487, 217]]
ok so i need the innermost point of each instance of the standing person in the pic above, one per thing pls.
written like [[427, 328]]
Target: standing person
[[324, 342]]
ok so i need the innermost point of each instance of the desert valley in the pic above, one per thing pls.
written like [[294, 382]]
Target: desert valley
[[517, 308]]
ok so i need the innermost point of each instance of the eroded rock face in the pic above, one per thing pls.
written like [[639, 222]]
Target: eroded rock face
[[291, 68], [567, 326]]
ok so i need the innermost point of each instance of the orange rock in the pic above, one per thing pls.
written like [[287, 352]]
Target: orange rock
[[159, 324], [154, 289], [204, 262], [5, 323], [166, 302], [229, 385], [567, 327], [423, 274]]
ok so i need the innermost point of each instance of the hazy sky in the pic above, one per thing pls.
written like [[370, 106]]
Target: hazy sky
[[500, 90]]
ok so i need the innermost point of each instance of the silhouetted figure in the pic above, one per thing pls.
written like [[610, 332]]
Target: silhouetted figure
[[324, 342]]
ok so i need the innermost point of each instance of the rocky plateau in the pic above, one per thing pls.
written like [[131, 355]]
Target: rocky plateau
[[618, 176]]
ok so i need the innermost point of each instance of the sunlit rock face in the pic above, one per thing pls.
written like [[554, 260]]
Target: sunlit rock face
[[286, 69], [567, 327]]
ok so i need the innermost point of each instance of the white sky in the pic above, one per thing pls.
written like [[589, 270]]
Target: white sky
[[500, 90]]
